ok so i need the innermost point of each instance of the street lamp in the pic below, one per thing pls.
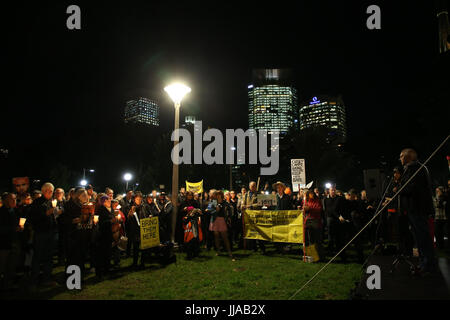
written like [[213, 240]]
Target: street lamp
[[83, 183], [328, 185], [176, 92], [231, 170], [127, 177]]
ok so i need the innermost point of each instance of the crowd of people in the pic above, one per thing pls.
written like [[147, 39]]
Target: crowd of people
[[82, 227]]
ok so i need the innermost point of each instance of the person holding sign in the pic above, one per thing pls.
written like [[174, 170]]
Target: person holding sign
[[284, 202], [137, 212]]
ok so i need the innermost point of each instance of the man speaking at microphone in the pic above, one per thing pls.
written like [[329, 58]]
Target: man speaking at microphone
[[416, 200]]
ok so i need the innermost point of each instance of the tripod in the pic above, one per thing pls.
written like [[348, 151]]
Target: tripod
[[400, 257]]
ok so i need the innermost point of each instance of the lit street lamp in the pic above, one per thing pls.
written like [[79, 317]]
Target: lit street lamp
[[176, 92], [231, 170], [84, 182], [127, 177]]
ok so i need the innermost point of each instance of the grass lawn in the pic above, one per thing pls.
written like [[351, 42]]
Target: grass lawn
[[252, 276]]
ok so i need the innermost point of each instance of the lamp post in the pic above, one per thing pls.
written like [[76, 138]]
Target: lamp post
[[176, 92], [84, 182], [127, 177], [231, 170]]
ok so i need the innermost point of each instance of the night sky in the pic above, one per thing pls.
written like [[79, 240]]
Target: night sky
[[66, 89]]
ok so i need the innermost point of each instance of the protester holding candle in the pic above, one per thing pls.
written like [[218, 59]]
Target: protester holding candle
[[78, 231], [44, 224], [137, 212], [106, 219], [117, 230]]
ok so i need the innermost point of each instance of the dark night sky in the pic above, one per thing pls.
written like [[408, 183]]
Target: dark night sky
[[68, 88]]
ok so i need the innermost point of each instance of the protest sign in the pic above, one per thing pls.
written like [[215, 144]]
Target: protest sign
[[149, 233], [196, 187], [274, 225], [298, 174]]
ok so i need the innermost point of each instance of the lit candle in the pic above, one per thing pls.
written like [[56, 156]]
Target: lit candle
[[119, 217], [22, 222], [54, 203], [95, 219]]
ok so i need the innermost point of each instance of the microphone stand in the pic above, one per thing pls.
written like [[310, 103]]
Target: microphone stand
[[380, 220]]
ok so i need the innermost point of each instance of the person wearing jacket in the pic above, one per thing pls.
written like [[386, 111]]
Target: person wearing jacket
[[333, 208], [440, 204], [163, 211], [43, 221], [9, 240], [416, 200], [313, 221], [192, 232], [106, 219], [137, 212], [208, 236], [78, 227], [249, 202], [118, 230], [188, 201], [284, 202], [220, 214]]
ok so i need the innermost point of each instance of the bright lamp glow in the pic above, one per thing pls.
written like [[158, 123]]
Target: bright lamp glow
[[177, 91], [328, 185], [83, 182], [127, 176], [91, 170]]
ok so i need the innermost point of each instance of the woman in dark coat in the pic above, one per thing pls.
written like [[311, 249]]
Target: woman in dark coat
[[137, 212], [78, 227], [189, 201], [106, 219]]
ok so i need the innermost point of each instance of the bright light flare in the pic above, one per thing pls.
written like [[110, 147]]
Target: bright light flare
[[177, 91]]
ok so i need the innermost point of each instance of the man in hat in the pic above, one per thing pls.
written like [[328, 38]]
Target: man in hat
[[284, 201]]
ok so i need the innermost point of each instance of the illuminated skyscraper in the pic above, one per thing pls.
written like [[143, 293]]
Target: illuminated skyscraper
[[142, 110], [325, 112], [189, 119], [272, 100]]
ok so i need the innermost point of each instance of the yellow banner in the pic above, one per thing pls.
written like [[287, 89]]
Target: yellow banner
[[149, 233], [275, 226], [196, 187]]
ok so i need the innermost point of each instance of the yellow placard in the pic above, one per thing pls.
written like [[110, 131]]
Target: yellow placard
[[149, 233], [274, 225], [196, 187]]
